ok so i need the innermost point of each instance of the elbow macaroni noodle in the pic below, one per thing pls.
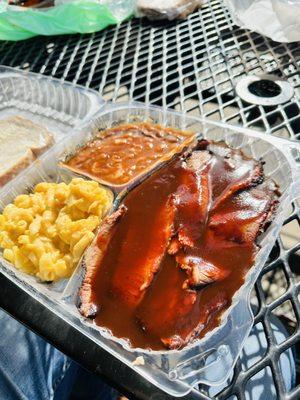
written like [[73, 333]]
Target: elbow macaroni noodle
[[46, 232]]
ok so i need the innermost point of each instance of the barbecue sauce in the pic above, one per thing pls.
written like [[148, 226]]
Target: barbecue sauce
[[165, 311]]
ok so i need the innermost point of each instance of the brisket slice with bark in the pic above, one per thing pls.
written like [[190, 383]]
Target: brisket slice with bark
[[188, 334], [199, 271], [93, 259], [192, 201], [248, 218], [192, 198], [131, 281], [232, 173]]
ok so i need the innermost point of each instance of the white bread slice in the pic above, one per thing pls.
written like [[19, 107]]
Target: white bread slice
[[21, 141]]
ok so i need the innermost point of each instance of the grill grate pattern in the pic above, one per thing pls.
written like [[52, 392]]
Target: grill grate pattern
[[193, 66]]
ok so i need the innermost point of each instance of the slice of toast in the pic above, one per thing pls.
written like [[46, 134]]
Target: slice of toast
[[21, 141]]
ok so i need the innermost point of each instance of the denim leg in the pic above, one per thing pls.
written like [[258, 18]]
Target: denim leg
[[30, 368], [89, 387]]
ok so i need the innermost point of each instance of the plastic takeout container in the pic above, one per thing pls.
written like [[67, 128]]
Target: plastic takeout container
[[46, 101], [59, 106], [211, 359]]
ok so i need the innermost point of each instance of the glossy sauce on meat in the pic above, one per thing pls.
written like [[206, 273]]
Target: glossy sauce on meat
[[182, 296], [121, 153]]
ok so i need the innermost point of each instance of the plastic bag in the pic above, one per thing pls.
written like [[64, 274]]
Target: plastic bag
[[168, 9], [67, 16], [277, 19]]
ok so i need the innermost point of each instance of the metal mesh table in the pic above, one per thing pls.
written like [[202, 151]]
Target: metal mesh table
[[193, 66]]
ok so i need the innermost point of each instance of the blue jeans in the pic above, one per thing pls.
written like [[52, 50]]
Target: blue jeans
[[31, 369]]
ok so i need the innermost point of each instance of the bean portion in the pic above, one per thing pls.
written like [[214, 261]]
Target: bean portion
[[123, 152]]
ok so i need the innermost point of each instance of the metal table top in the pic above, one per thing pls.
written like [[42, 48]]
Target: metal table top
[[191, 66]]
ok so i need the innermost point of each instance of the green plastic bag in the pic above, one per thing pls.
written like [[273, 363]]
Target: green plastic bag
[[79, 16]]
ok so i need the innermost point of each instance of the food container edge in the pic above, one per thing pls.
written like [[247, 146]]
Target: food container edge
[[211, 359]]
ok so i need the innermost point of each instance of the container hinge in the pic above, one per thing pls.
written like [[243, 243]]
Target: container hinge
[[209, 366]]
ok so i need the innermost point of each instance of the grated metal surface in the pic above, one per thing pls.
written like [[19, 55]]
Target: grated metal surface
[[193, 66]]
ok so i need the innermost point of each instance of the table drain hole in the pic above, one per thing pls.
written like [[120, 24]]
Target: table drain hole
[[264, 88]]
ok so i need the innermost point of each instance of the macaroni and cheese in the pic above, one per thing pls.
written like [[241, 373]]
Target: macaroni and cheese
[[46, 232]]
